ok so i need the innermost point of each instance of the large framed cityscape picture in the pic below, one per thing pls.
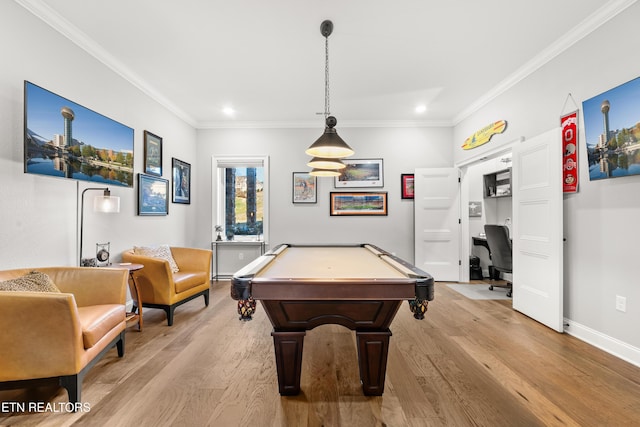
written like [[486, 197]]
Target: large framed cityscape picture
[[64, 139], [612, 131]]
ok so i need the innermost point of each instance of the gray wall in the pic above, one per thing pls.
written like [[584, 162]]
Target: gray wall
[[401, 149], [39, 215], [600, 220]]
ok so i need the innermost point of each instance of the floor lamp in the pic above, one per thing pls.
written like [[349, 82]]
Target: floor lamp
[[105, 204]]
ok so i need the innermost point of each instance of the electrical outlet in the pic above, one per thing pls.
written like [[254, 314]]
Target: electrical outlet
[[241, 256], [621, 303]]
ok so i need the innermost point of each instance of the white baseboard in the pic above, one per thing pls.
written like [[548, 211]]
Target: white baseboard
[[604, 342]]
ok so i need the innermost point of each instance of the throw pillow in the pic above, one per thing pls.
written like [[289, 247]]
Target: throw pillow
[[32, 282], [161, 252]]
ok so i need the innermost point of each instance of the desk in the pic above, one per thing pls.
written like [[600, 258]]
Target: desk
[[360, 287], [236, 245], [135, 293], [481, 241]]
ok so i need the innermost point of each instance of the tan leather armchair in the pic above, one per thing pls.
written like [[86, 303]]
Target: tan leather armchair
[[47, 335], [161, 288]]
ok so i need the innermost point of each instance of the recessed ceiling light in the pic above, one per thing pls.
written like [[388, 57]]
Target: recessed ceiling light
[[228, 111], [421, 108]]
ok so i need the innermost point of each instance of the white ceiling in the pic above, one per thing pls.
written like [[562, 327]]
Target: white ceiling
[[265, 59]]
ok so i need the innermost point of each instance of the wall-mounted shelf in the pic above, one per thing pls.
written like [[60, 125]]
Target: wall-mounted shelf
[[498, 184]]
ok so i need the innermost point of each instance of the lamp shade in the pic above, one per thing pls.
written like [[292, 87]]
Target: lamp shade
[[106, 204], [324, 172], [330, 145], [326, 163]]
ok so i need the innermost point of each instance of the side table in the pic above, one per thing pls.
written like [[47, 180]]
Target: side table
[[132, 316]]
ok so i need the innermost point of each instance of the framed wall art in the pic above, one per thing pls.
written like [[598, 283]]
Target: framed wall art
[[360, 173], [611, 132], [152, 154], [66, 140], [180, 181], [153, 193], [406, 181], [358, 203], [304, 188]]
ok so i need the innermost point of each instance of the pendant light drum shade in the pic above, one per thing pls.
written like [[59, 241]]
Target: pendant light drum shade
[[324, 172], [326, 163], [330, 145]]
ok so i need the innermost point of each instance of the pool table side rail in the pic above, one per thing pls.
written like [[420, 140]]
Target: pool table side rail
[[418, 283]]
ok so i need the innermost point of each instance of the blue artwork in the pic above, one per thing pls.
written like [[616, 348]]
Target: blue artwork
[[67, 140], [612, 128]]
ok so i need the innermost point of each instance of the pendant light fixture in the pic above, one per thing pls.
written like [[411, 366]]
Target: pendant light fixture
[[329, 148]]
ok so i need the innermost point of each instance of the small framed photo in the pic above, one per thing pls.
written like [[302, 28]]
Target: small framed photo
[[475, 209], [406, 180], [358, 203], [360, 173], [304, 188], [180, 181], [153, 195], [152, 154]]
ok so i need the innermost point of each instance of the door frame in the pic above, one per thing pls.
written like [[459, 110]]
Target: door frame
[[465, 238]]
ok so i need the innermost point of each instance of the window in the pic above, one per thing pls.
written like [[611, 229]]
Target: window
[[242, 198]]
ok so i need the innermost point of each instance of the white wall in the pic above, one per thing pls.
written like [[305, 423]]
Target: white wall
[[600, 221], [38, 218], [402, 150]]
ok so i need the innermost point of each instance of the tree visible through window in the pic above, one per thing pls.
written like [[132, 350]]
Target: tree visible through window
[[244, 201]]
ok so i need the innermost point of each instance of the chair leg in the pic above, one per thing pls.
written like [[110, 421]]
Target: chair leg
[[206, 299], [169, 311], [120, 345], [73, 385]]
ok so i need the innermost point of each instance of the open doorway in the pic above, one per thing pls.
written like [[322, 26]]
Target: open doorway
[[485, 199]]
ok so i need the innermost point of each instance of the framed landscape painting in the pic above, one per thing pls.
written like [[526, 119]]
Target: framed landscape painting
[[358, 203], [67, 140], [612, 131], [360, 173]]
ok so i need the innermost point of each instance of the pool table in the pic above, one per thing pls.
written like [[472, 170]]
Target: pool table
[[358, 286]]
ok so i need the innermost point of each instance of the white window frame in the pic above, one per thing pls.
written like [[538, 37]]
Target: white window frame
[[218, 164]]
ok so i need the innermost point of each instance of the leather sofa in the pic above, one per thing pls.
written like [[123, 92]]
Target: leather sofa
[[159, 287], [61, 335]]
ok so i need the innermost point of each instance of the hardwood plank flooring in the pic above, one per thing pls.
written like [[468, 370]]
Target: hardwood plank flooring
[[469, 363]]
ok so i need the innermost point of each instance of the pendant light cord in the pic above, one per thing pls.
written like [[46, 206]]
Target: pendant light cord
[[326, 78]]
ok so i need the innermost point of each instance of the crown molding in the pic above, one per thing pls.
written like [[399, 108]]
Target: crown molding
[[52, 18], [44, 12], [586, 27]]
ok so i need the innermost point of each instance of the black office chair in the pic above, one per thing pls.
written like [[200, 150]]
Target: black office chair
[[500, 251]]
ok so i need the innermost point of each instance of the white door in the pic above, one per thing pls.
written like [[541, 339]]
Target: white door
[[437, 222], [537, 226]]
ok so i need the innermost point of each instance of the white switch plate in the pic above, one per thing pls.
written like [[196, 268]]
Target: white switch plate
[[621, 303]]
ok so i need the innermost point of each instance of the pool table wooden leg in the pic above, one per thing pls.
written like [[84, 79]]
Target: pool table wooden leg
[[288, 347], [373, 347]]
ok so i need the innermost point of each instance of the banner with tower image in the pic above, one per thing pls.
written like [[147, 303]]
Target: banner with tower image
[[612, 131], [65, 139]]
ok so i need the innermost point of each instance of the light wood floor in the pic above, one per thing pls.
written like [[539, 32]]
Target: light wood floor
[[469, 363]]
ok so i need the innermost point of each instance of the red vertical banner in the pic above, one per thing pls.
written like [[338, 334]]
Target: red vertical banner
[[569, 125]]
